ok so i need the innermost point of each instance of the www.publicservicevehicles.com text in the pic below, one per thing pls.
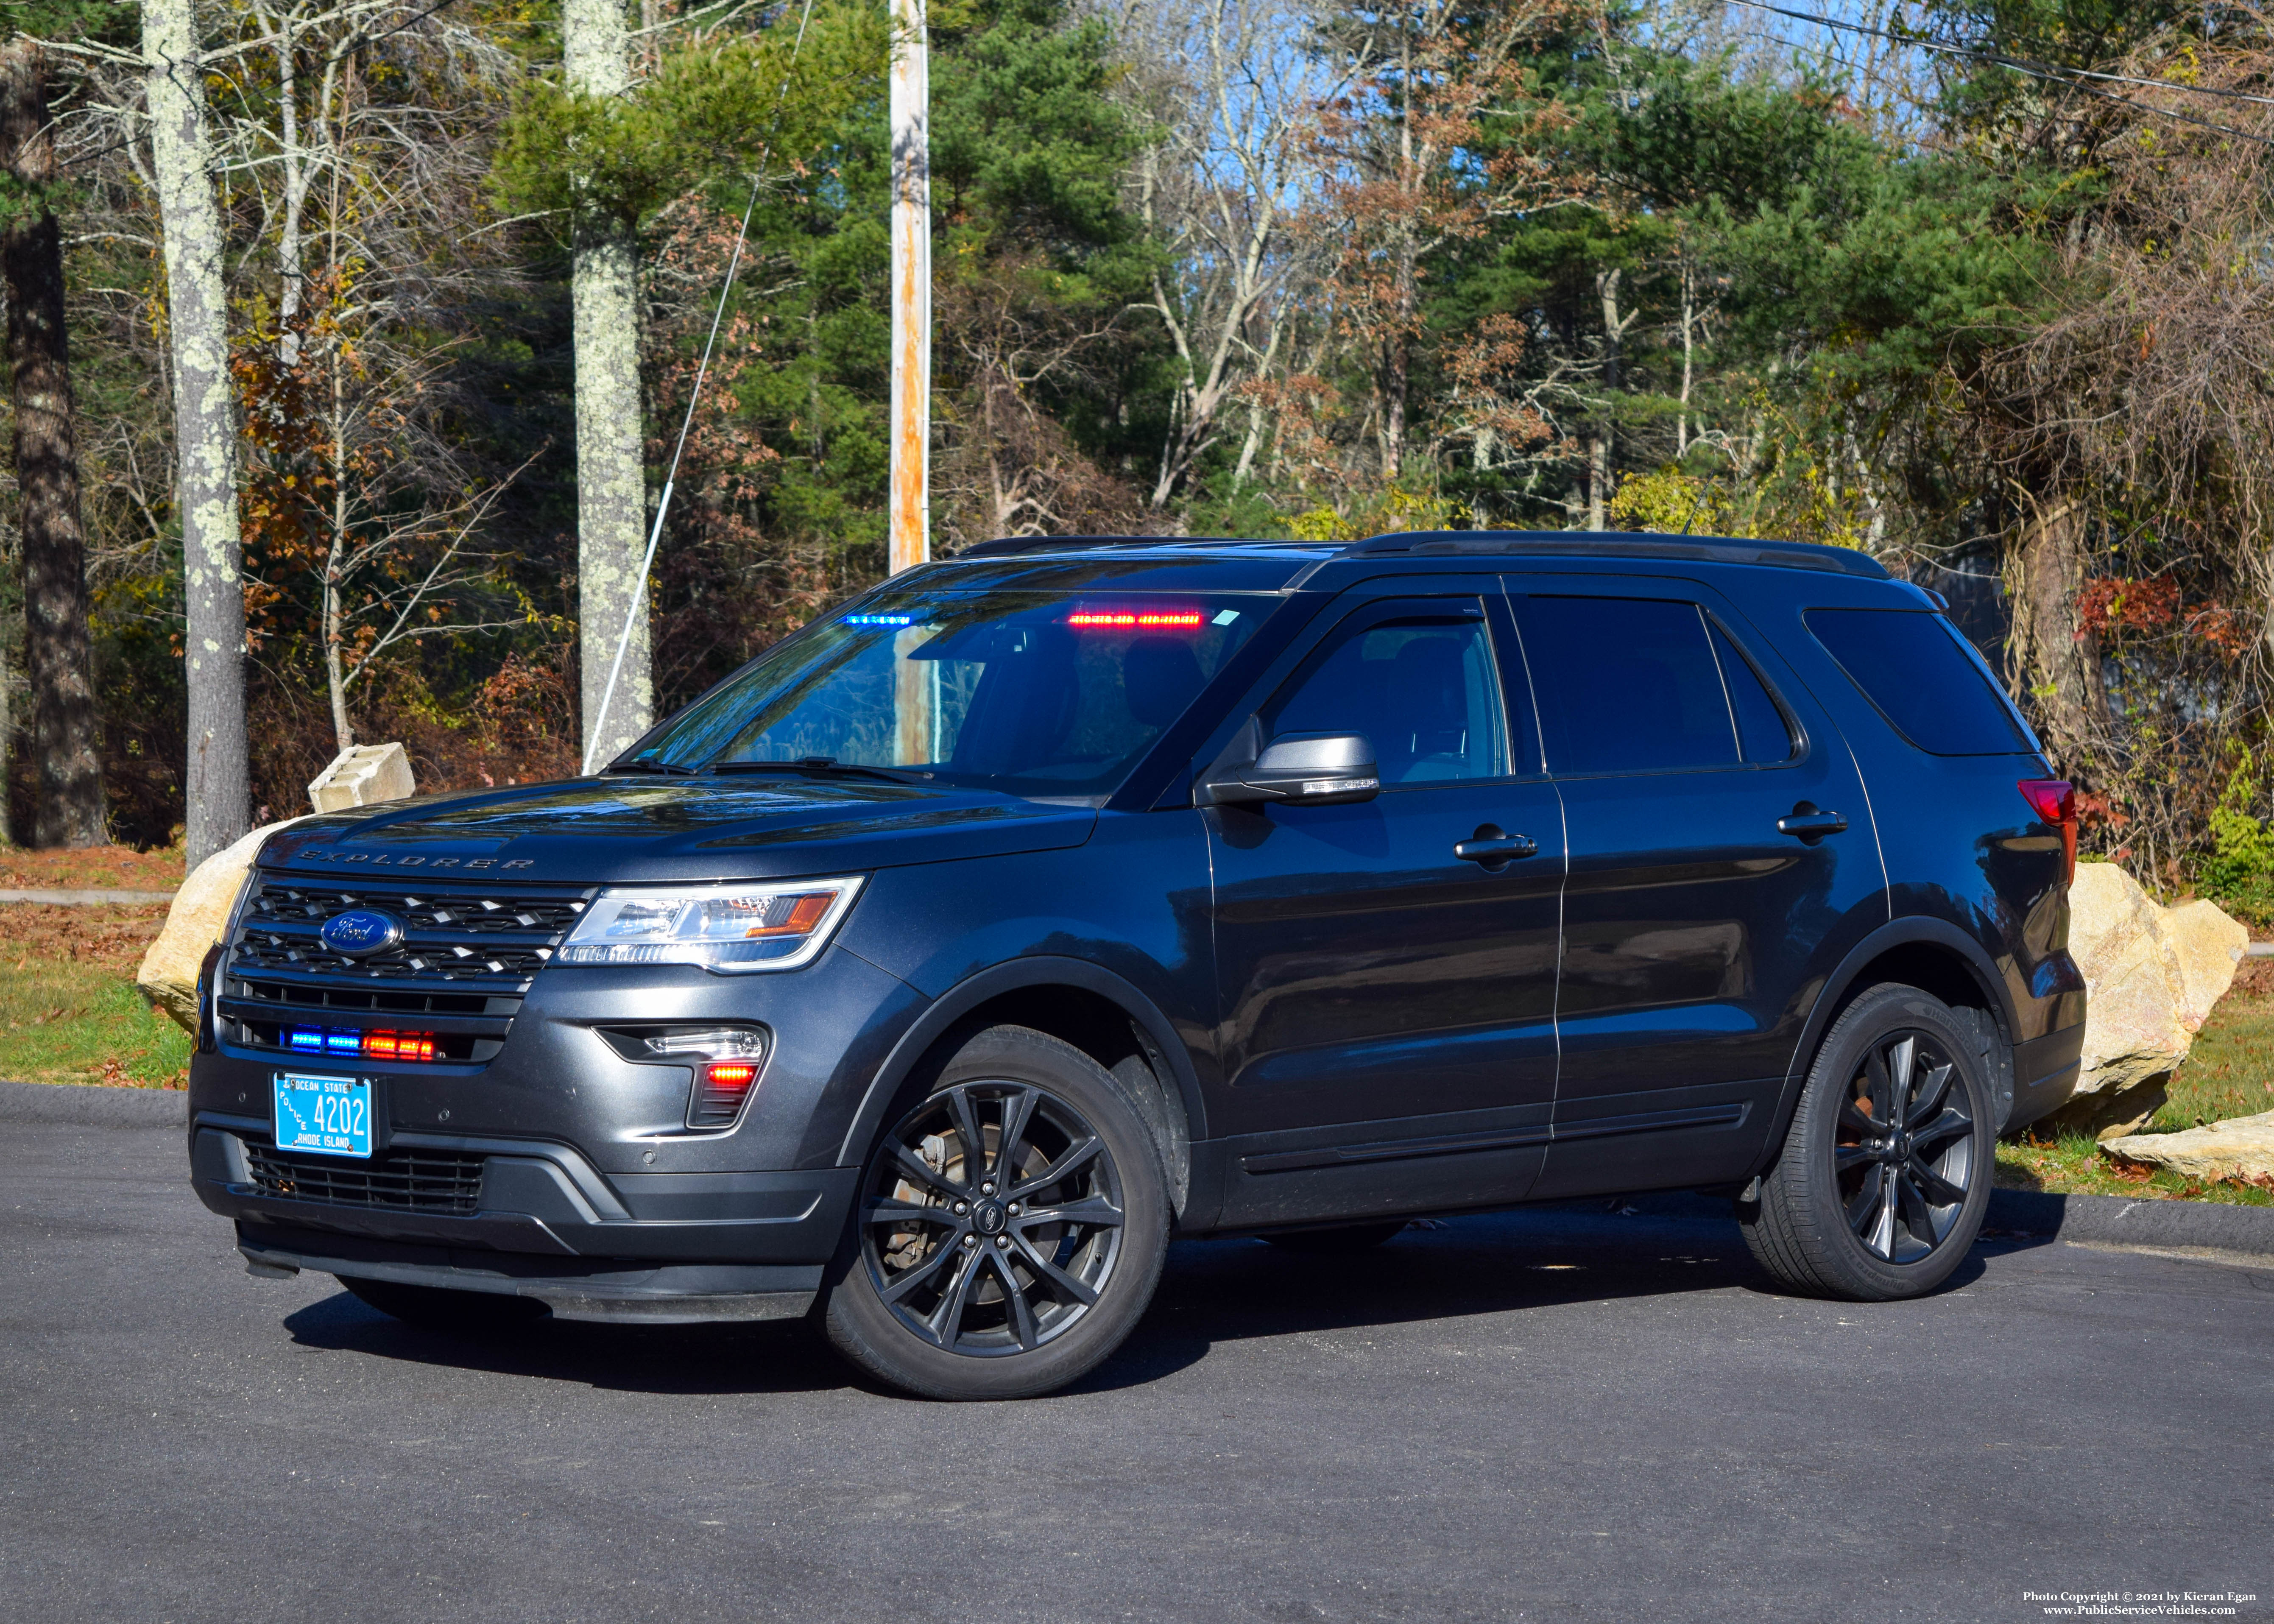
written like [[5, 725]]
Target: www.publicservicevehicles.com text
[[2140, 1604]]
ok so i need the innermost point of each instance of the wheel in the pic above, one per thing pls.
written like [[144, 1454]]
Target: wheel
[[1880, 1187], [1341, 1240], [1010, 1230], [437, 1308]]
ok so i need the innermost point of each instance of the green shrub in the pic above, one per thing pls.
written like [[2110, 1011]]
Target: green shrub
[[2238, 874]]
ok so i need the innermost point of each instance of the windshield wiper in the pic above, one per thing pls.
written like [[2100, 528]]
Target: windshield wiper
[[823, 766], [649, 766]]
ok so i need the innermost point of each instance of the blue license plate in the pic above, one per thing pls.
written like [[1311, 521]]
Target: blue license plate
[[330, 1116]]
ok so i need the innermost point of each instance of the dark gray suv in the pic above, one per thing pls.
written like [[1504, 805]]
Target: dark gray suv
[[934, 970]]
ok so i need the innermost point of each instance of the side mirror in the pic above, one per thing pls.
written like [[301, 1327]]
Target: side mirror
[[1312, 769]]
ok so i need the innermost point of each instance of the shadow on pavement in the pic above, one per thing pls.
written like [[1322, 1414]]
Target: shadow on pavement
[[1212, 1291]]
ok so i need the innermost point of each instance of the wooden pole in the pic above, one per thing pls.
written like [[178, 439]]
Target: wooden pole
[[910, 531]]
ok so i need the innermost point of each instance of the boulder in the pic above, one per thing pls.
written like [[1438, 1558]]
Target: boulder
[[2239, 1148], [360, 777], [363, 775], [169, 975], [2153, 975]]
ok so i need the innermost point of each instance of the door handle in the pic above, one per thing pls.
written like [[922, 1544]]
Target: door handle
[[1808, 825], [1491, 849]]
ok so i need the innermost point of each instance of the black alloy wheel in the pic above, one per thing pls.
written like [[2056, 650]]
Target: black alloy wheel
[[993, 1222], [1879, 1189], [1010, 1229], [1905, 1151]]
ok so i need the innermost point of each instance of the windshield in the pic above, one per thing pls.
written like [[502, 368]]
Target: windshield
[[1045, 695]]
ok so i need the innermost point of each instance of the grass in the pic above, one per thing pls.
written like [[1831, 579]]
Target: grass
[[2072, 1165], [69, 1012], [101, 867], [2229, 1073]]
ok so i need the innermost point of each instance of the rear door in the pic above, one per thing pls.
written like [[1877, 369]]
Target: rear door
[[1388, 1035], [1718, 835]]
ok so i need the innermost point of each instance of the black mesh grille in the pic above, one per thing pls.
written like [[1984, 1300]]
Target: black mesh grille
[[445, 1182], [468, 954], [467, 933]]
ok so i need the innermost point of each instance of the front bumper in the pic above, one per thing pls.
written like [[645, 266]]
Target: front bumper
[[547, 1202], [677, 1248], [597, 1290], [571, 1174]]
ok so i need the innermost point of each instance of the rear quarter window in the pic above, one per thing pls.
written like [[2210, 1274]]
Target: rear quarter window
[[1912, 666]]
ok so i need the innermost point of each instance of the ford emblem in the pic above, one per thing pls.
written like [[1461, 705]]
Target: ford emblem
[[360, 932]]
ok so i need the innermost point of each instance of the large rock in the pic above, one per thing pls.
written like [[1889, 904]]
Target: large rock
[[363, 775], [2240, 1147], [2153, 975], [169, 975], [360, 776]]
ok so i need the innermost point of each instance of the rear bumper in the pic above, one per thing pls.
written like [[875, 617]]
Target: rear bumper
[[540, 1204], [2044, 1074]]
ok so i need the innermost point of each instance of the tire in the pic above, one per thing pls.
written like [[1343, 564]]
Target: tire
[[1852, 1211], [438, 1308], [951, 1284], [1340, 1241]]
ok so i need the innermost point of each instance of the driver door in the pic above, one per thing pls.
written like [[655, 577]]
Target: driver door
[[1388, 1032]]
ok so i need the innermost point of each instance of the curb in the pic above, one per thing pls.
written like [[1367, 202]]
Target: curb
[[85, 897], [96, 1105], [2112, 1219]]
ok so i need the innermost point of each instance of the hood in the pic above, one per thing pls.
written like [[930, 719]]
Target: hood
[[628, 830]]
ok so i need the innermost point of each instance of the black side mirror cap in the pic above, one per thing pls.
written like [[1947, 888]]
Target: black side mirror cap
[[1312, 769]]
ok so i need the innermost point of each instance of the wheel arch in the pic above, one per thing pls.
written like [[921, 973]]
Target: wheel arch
[[1931, 954], [1083, 1005]]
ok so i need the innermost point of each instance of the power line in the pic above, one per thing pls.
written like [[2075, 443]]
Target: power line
[[2044, 71]]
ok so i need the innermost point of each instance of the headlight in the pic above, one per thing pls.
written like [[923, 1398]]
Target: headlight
[[726, 928]]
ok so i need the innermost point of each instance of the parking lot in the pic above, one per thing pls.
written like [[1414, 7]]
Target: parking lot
[[1570, 1414]]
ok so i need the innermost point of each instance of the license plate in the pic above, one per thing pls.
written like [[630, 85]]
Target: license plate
[[330, 1116]]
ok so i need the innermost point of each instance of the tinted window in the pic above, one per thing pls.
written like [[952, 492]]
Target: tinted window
[[1627, 685], [1761, 731], [1421, 686], [1926, 682], [1035, 693]]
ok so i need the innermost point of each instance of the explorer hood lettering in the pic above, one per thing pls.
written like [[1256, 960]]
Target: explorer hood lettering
[[622, 830]]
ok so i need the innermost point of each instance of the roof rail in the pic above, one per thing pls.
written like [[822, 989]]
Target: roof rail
[[1622, 543], [1494, 544], [1004, 546]]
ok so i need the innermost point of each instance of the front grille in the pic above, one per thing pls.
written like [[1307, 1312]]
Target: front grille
[[444, 1182], [468, 954]]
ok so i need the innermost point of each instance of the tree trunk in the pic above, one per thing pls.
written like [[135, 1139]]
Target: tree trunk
[[611, 479], [2059, 660], [1688, 357], [1600, 448], [65, 738], [217, 810]]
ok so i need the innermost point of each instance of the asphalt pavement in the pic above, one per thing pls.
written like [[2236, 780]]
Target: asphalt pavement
[[1584, 1415]]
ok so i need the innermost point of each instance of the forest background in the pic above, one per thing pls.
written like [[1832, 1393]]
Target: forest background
[[1986, 290]]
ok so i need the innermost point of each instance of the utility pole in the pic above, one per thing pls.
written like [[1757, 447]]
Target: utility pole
[[910, 534]]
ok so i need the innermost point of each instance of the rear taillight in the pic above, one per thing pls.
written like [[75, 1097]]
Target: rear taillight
[[2054, 801]]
